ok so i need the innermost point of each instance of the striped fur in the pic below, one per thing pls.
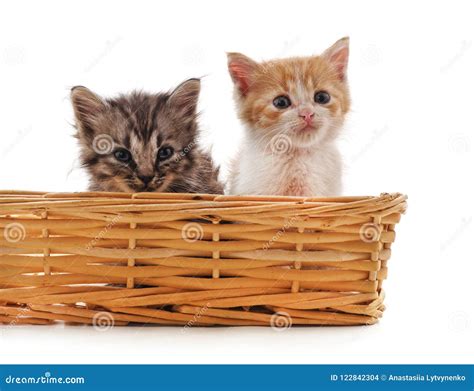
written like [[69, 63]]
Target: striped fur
[[141, 124]]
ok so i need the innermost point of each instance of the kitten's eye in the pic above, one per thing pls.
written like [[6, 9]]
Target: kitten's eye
[[322, 97], [282, 102], [165, 153], [122, 155]]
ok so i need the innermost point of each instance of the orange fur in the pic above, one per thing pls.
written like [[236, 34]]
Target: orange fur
[[280, 77]]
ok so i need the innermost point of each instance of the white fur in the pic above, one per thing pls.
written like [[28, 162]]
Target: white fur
[[300, 171]]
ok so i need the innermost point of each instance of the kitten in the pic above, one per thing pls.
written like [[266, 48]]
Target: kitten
[[143, 142], [292, 111]]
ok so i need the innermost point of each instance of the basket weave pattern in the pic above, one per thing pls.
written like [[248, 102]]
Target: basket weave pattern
[[194, 260]]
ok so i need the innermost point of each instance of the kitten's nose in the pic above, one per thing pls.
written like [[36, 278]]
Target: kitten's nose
[[145, 179], [307, 115]]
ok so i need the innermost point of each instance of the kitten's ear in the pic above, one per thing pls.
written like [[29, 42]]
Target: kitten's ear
[[87, 105], [241, 69], [338, 56], [185, 97]]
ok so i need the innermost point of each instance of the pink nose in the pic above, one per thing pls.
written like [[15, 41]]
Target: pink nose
[[307, 115]]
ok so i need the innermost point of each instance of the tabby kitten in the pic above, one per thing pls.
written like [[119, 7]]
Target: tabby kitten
[[143, 142], [292, 110]]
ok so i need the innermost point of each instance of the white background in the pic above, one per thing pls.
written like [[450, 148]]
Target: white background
[[411, 131]]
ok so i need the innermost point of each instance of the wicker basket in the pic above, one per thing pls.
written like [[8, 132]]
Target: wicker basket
[[194, 260]]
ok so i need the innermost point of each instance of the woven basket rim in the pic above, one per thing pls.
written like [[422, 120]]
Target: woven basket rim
[[212, 206], [383, 197]]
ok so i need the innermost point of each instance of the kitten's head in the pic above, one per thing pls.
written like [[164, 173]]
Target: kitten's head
[[137, 142], [305, 98]]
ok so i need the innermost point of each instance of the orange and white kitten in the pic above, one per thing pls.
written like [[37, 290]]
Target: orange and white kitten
[[292, 111]]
